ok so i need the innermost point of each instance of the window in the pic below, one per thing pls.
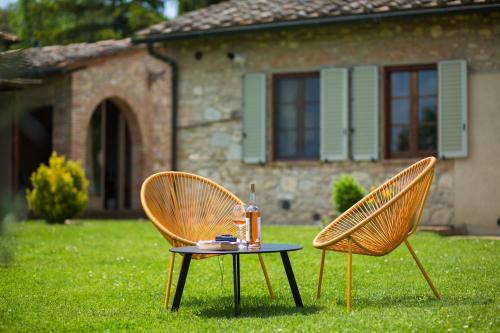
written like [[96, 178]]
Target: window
[[296, 121], [411, 112]]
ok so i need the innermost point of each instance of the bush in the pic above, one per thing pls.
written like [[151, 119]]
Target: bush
[[346, 192], [59, 190]]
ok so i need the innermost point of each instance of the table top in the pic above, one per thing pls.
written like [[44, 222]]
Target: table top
[[265, 248]]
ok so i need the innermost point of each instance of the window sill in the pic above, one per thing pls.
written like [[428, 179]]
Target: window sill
[[400, 160], [316, 163], [403, 161], [409, 160], [306, 163], [300, 163]]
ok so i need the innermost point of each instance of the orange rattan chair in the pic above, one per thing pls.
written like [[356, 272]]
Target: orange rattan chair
[[381, 221], [186, 208]]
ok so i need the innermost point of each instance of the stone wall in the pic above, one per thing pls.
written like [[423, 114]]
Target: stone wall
[[210, 131]]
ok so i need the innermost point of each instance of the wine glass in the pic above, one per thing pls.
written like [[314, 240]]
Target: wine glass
[[239, 220]]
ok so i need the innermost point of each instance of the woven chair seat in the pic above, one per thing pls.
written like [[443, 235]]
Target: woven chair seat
[[186, 208], [380, 222], [384, 218]]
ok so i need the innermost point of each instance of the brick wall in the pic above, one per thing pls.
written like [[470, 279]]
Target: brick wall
[[140, 86]]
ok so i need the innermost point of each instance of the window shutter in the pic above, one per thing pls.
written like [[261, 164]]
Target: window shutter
[[334, 95], [254, 113], [364, 116], [452, 109]]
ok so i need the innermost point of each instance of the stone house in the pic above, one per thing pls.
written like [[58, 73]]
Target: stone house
[[286, 94], [105, 104]]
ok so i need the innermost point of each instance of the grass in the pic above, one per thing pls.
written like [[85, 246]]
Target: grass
[[109, 277]]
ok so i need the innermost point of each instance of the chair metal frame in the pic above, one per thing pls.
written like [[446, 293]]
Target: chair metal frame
[[186, 208], [380, 222]]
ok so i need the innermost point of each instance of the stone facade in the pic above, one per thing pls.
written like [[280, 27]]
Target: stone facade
[[464, 191], [210, 132]]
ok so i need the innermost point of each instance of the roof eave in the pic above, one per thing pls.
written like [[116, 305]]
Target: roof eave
[[314, 22], [18, 84]]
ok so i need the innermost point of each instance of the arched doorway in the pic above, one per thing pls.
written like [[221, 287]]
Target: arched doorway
[[109, 158]]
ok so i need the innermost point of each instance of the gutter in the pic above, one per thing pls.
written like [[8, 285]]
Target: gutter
[[174, 102], [315, 22]]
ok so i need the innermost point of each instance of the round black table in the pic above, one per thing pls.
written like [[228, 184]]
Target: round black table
[[283, 249]]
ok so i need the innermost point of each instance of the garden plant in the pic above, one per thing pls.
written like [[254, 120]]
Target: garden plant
[[59, 190], [346, 191]]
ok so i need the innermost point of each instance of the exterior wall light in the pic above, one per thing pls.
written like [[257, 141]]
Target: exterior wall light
[[238, 58]]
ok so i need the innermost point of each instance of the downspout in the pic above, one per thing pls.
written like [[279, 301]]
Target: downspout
[[174, 100]]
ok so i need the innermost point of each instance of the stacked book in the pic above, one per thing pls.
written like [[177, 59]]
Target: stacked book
[[221, 243]]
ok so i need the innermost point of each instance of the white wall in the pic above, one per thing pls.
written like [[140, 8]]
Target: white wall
[[477, 178]]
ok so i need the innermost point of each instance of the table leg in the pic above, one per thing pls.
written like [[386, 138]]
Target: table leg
[[235, 284], [291, 279], [239, 277], [186, 260]]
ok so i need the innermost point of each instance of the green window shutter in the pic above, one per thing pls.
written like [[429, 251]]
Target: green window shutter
[[254, 114], [334, 114], [364, 116], [452, 109]]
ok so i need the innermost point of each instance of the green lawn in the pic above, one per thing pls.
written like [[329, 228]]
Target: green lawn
[[110, 276]]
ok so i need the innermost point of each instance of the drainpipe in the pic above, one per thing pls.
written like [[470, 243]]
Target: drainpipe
[[174, 100]]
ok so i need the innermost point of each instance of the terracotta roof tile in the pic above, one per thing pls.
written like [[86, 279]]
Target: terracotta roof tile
[[62, 56], [235, 13]]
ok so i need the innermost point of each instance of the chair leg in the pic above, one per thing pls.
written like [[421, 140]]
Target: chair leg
[[169, 281], [424, 273], [320, 279], [349, 274], [268, 282]]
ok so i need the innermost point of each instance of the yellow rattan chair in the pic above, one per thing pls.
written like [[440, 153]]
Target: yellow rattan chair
[[186, 208], [381, 221]]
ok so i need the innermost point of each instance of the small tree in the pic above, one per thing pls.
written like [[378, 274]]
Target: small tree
[[346, 192], [59, 190]]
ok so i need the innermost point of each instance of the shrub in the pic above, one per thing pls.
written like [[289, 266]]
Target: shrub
[[346, 192], [59, 190]]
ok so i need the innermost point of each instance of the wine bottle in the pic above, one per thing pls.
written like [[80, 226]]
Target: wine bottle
[[253, 221]]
